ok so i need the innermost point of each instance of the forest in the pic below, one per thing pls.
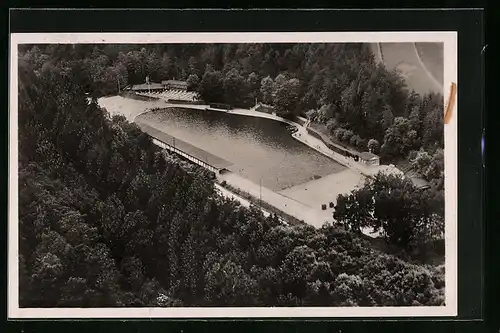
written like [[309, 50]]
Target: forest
[[108, 220]]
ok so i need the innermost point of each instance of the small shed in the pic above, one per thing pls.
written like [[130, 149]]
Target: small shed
[[369, 158]]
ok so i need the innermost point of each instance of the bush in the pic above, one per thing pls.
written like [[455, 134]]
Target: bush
[[311, 114], [289, 116], [331, 125], [354, 141], [338, 133], [361, 145], [373, 146], [347, 135], [323, 206], [412, 155]]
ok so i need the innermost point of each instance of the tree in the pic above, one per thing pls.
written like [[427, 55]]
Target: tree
[[46, 279], [286, 98], [435, 167], [296, 268], [173, 247], [421, 161], [228, 284], [267, 90], [132, 270], [392, 205], [253, 84], [193, 66], [311, 114], [193, 80], [354, 211], [373, 146], [347, 290], [399, 138], [235, 88], [356, 141], [211, 86], [189, 266], [325, 113], [347, 135], [73, 293], [432, 124]]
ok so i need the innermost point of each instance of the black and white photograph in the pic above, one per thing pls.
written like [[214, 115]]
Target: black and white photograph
[[233, 175]]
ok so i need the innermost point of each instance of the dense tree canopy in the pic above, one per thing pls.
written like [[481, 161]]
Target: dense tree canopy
[[106, 219], [407, 217]]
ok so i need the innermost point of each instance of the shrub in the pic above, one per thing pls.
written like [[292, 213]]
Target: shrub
[[331, 125], [412, 155], [347, 135], [311, 114], [338, 133], [355, 140], [361, 145], [373, 146]]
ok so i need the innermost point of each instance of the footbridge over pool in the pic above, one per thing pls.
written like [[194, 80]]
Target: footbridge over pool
[[186, 150]]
